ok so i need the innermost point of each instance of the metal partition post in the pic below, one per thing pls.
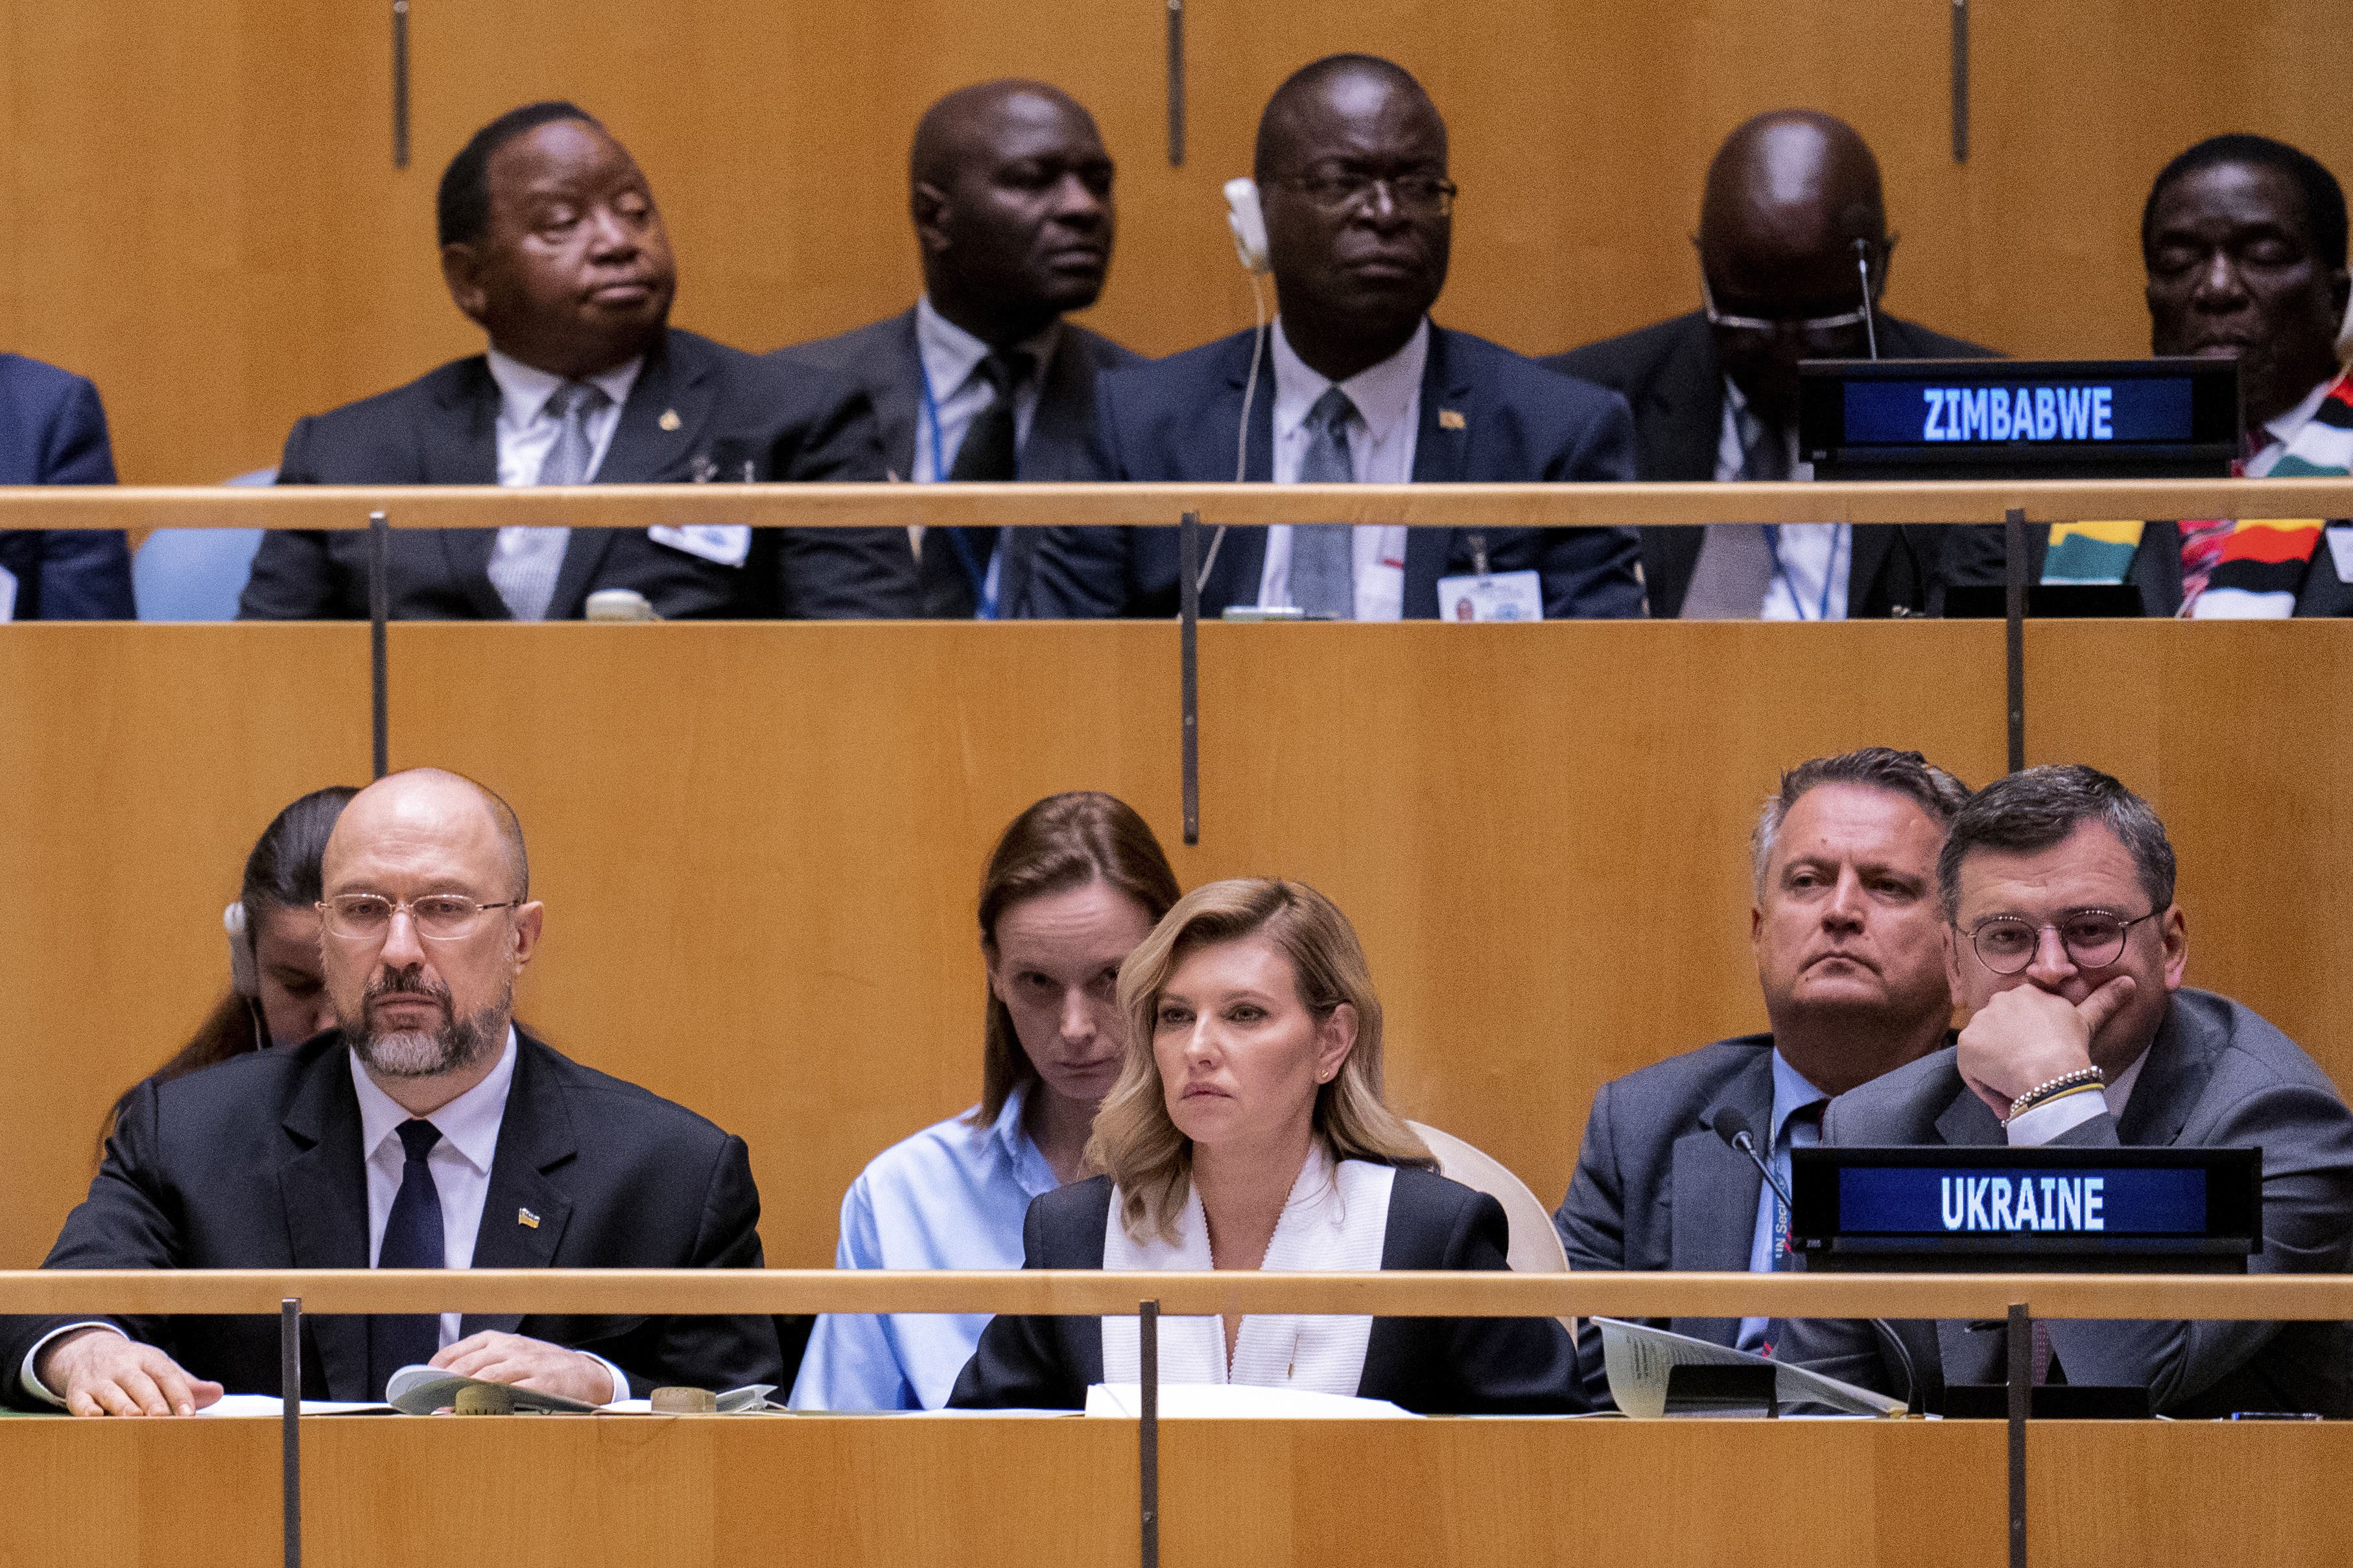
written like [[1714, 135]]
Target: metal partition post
[[1175, 84], [1148, 1432], [2013, 550], [1960, 82], [379, 611], [1188, 658], [289, 1421], [2021, 1389]]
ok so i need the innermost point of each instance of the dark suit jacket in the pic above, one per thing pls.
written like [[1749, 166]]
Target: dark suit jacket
[[2215, 1075], [1976, 557], [881, 357], [1458, 1366], [52, 432], [1669, 374], [1175, 419], [256, 1163], [733, 408]]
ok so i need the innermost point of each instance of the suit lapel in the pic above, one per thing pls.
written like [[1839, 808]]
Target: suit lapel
[[2171, 1083], [1716, 1189], [1684, 418], [1241, 558], [534, 1137], [672, 388], [897, 395], [463, 450], [323, 1186], [1061, 431], [1968, 1121], [1440, 457]]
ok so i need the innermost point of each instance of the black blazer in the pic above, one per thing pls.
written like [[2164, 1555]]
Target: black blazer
[[1669, 374], [52, 432], [1978, 556], [256, 1163], [1455, 1366], [697, 407], [1175, 419], [882, 358]]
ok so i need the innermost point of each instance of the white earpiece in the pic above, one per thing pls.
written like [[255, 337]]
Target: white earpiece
[[1247, 224], [241, 974]]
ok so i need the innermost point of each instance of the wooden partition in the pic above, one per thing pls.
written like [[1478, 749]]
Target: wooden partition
[[759, 845], [205, 216]]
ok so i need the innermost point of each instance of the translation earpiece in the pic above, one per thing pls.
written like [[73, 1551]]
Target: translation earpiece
[[243, 979], [1247, 224]]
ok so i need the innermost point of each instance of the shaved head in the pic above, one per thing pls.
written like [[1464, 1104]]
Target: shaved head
[[964, 124], [1348, 85], [434, 800]]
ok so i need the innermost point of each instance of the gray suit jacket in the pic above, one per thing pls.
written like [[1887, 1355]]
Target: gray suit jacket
[[2216, 1076], [1656, 1188], [882, 358]]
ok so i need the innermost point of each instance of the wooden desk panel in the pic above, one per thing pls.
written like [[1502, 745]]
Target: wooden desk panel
[[759, 845], [848, 1491]]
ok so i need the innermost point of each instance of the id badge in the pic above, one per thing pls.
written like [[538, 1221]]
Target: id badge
[[728, 544], [1497, 596]]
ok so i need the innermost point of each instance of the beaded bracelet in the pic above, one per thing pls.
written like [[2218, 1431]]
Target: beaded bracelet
[[2051, 1089]]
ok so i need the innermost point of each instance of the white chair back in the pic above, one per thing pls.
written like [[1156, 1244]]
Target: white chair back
[[1536, 1246]]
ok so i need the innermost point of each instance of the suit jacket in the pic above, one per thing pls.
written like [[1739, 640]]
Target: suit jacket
[[1977, 556], [1461, 1366], [2215, 1075], [52, 432], [256, 1163], [1669, 374], [731, 408], [882, 358], [1173, 420]]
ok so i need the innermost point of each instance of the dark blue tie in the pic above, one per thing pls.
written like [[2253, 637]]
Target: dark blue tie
[[412, 1239]]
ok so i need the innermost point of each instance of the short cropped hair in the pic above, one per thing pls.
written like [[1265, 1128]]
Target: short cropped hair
[[1307, 79], [1908, 774], [462, 206], [2033, 810], [2324, 199]]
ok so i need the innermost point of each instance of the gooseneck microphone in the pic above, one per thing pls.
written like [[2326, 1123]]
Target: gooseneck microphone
[[1733, 1128]]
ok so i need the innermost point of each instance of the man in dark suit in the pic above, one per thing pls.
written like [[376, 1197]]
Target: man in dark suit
[[1011, 192], [551, 241], [2067, 952], [52, 432], [424, 1132], [1848, 940], [1352, 382], [1714, 393], [2244, 242]]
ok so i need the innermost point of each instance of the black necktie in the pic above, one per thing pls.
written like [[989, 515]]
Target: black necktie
[[990, 451], [412, 1239]]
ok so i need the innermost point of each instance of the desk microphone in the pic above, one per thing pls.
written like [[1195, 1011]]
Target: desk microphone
[[1733, 1128]]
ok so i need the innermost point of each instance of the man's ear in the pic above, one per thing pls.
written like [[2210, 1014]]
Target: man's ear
[[527, 924], [461, 270], [929, 206]]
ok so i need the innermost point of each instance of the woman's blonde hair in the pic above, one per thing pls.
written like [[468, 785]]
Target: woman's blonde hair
[[1134, 1142]]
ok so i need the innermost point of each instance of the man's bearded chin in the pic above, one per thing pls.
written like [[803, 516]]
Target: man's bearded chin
[[458, 1044]]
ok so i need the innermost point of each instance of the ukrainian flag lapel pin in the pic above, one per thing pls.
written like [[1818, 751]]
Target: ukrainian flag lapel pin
[[1451, 420], [526, 1218]]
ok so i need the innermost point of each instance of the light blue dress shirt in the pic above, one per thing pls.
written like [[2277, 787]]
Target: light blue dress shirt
[[953, 1196], [1791, 1094]]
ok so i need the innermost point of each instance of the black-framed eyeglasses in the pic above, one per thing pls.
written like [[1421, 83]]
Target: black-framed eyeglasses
[[2093, 938], [440, 917], [1424, 195]]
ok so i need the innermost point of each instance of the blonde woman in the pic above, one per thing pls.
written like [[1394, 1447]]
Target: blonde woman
[[1247, 1131]]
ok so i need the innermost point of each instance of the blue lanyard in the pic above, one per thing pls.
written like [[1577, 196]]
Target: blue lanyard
[[983, 600], [1829, 568]]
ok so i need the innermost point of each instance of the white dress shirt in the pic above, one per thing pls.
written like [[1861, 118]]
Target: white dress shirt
[[1813, 562], [1381, 439], [525, 433], [954, 391]]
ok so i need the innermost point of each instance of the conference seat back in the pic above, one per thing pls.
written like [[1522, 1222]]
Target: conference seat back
[[1536, 1247]]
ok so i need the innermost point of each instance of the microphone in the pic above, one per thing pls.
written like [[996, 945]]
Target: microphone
[[1862, 265], [1733, 1128]]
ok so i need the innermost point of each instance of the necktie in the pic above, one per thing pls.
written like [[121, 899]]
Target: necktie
[[524, 565], [1324, 555], [954, 567], [1802, 1130], [1736, 559], [412, 1239]]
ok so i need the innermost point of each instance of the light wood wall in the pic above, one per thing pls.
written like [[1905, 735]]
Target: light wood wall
[[759, 845], [204, 215]]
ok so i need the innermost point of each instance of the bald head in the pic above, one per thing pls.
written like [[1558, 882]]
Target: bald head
[[1788, 196], [448, 812], [1010, 187], [1319, 99]]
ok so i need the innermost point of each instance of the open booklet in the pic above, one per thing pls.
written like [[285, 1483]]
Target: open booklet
[[422, 1389], [1637, 1357]]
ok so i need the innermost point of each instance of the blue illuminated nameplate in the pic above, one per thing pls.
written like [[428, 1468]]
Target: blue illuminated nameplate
[[1908, 413], [1929, 1201]]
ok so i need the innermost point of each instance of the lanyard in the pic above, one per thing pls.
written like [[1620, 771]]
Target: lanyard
[[975, 575], [1839, 536]]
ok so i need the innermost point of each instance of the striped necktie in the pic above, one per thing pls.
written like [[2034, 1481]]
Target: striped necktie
[[526, 561]]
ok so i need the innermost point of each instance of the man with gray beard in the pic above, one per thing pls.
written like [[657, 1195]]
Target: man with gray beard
[[424, 1132]]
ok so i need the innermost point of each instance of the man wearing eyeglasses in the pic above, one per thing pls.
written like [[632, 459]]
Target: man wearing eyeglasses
[[1352, 383], [2067, 951], [426, 1131], [1793, 256]]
